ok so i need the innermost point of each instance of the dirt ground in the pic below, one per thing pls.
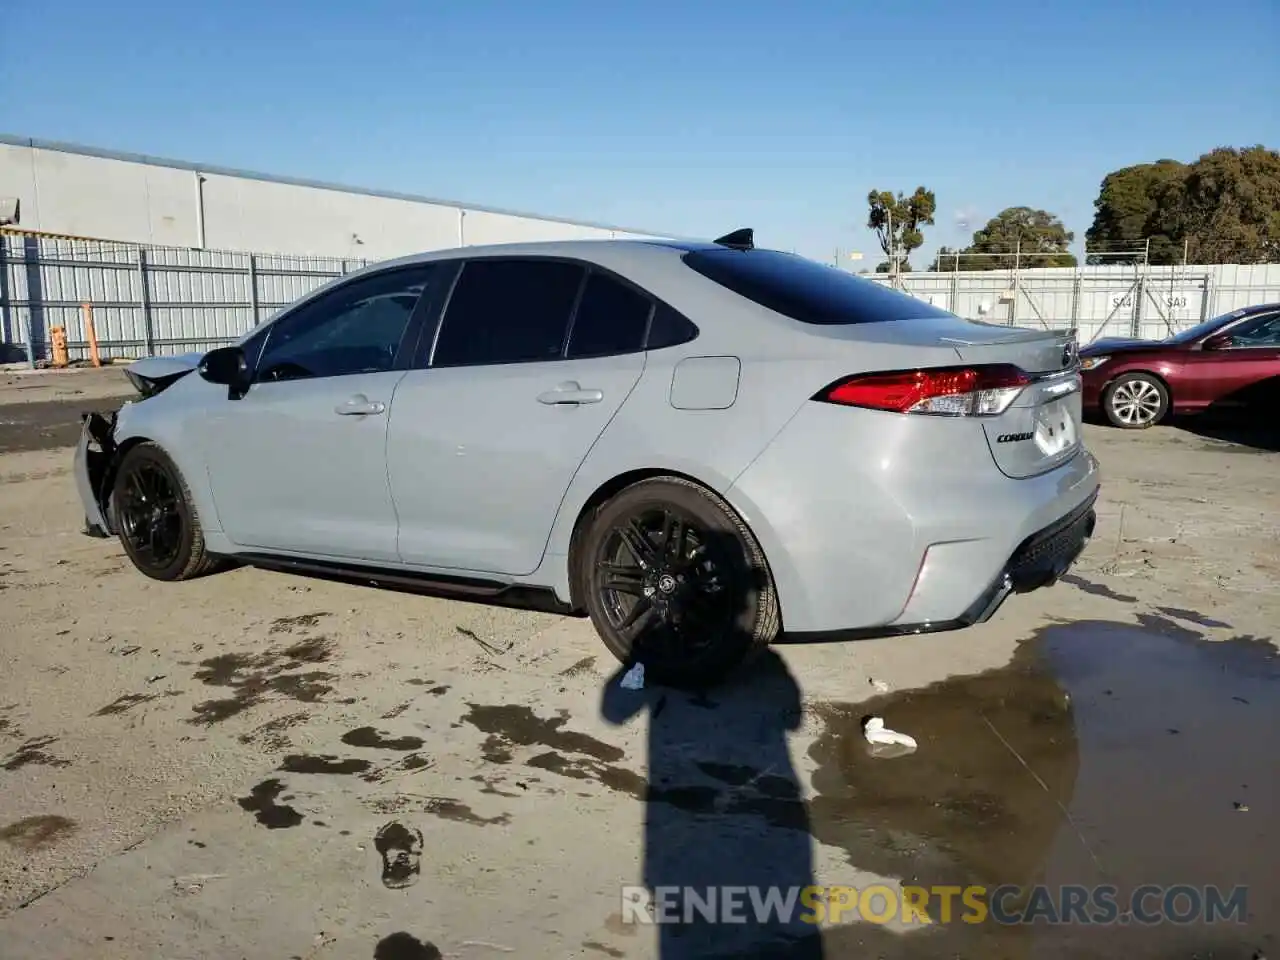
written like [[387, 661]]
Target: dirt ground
[[203, 769]]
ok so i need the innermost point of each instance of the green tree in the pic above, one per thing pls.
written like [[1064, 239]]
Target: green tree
[[1226, 207], [897, 221], [1030, 238], [1125, 214]]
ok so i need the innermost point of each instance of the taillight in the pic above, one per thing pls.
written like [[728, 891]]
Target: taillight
[[983, 391]]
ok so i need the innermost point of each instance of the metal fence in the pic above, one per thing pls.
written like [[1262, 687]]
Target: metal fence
[[147, 300], [1104, 301], [143, 300]]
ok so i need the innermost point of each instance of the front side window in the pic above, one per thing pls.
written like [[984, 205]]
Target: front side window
[[508, 311], [805, 290], [611, 318], [1204, 328], [1261, 332], [357, 328]]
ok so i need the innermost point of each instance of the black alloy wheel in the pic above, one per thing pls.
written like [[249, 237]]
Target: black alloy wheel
[[677, 582], [149, 516], [154, 516]]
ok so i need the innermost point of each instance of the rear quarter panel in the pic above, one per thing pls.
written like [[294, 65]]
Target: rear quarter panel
[[648, 434]]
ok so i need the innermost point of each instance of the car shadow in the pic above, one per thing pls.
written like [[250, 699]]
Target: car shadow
[[1250, 418], [724, 808], [1238, 429], [1248, 427]]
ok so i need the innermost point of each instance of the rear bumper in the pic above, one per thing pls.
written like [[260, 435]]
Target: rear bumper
[[1039, 561]]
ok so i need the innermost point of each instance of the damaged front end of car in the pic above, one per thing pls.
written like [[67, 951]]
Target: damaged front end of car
[[98, 450], [95, 457]]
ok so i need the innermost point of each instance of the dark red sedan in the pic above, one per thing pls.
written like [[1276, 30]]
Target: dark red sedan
[[1229, 360]]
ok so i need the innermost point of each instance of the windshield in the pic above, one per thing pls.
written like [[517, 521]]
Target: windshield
[[1200, 329]]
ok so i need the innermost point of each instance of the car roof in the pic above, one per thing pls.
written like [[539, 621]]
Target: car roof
[[611, 249]]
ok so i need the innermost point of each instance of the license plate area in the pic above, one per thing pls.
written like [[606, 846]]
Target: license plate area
[[1056, 430]]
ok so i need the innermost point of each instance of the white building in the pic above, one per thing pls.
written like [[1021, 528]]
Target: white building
[[86, 192]]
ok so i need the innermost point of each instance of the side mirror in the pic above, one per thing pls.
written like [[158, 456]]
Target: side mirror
[[1219, 341], [227, 367]]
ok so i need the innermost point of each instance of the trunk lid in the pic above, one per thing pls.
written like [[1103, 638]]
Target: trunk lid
[[1042, 429]]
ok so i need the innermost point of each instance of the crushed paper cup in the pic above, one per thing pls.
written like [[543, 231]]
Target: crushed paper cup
[[878, 735]]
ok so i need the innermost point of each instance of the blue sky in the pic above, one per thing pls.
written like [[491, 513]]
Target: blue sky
[[692, 118]]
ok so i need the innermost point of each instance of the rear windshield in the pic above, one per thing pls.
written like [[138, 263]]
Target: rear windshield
[[807, 291]]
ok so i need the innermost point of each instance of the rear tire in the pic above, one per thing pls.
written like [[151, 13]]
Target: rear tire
[[673, 579], [155, 517], [1135, 401]]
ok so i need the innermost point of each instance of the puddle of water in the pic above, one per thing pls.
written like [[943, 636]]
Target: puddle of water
[[125, 703], [1104, 753], [373, 739], [585, 665], [33, 753], [304, 763], [405, 946], [449, 809], [262, 803], [35, 833], [514, 724], [602, 948], [301, 622], [254, 677]]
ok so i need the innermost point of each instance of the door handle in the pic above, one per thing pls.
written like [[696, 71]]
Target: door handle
[[360, 406], [570, 393]]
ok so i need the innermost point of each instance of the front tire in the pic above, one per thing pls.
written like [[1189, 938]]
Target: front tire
[[156, 518], [673, 579], [1135, 401]]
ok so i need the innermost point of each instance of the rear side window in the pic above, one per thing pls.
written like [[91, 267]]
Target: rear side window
[[669, 328], [611, 318], [508, 311], [806, 291]]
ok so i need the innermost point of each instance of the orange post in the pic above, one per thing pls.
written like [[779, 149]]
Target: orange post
[[91, 334], [59, 337]]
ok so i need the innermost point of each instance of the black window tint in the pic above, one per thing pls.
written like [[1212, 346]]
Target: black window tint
[[1263, 332], [669, 328], [611, 318], [508, 311], [807, 291], [355, 329]]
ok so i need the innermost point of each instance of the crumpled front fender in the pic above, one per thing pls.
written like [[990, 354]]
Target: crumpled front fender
[[94, 462]]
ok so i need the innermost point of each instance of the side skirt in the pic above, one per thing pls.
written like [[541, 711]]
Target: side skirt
[[489, 592]]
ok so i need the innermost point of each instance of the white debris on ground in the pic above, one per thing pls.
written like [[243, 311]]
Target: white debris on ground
[[633, 679]]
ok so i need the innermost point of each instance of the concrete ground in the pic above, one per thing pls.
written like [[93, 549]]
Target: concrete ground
[[261, 765]]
